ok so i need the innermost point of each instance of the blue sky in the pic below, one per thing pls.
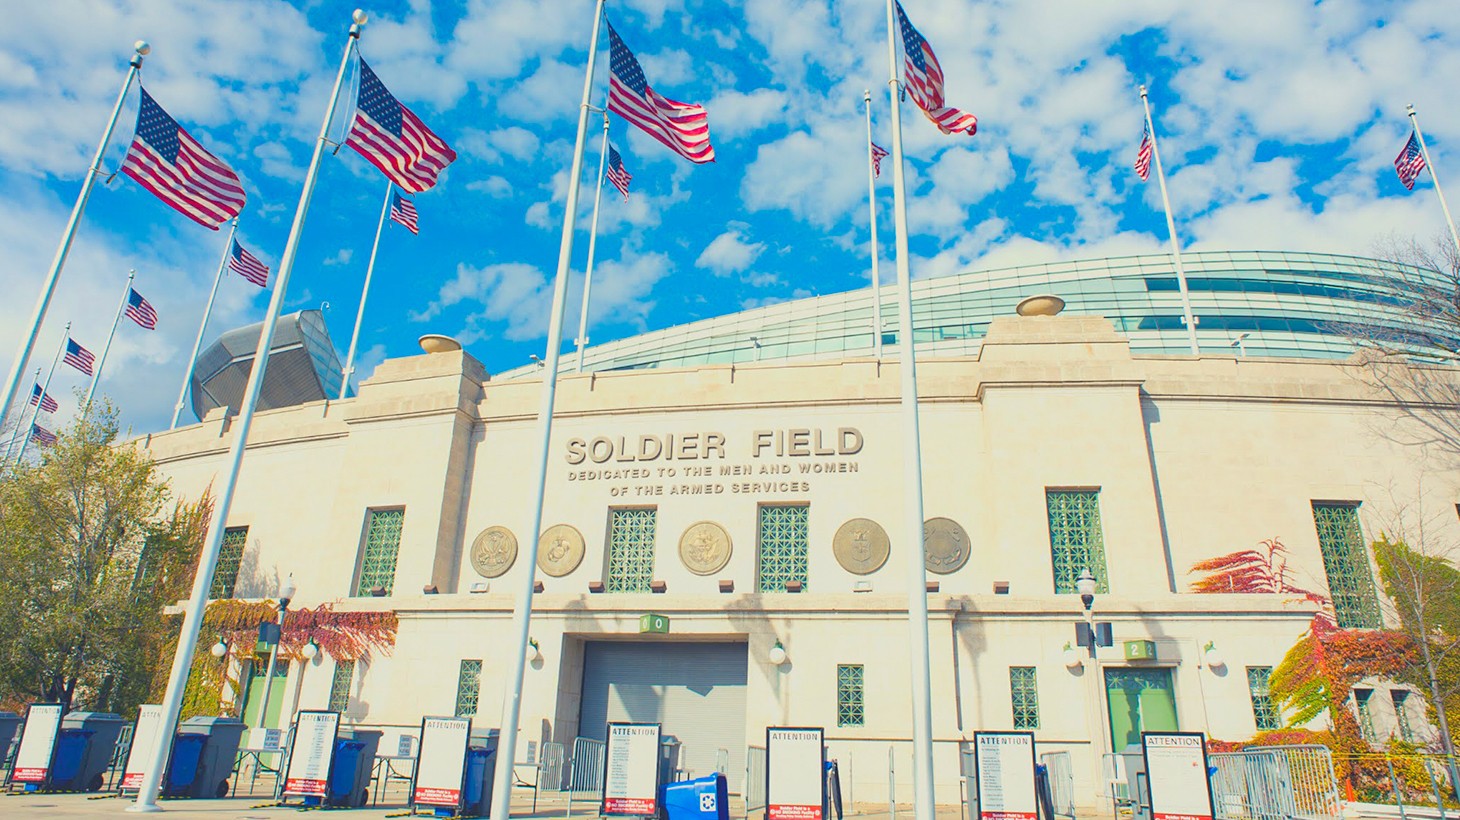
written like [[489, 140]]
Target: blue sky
[[1279, 123]]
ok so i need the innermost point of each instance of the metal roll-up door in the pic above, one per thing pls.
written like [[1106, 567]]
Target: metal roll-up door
[[696, 690]]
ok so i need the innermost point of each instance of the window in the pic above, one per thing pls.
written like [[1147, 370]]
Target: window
[[1366, 714], [230, 558], [1346, 562], [1075, 540], [782, 546], [1264, 711], [1401, 714], [849, 711], [1024, 693], [340, 686], [630, 550], [468, 688], [382, 545]]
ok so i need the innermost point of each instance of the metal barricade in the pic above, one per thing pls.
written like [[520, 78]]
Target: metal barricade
[[722, 761], [1309, 774], [585, 772], [1275, 782], [755, 772], [550, 767], [1061, 781]]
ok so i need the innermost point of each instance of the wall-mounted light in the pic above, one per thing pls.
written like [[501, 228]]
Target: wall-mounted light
[[310, 650], [1212, 655], [219, 649], [1070, 656], [534, 653], [777, 655]]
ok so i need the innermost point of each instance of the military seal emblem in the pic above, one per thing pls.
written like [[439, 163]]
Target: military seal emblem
[[493, 552], [861, 546], [704, 548], [945, 545], [559, 550]]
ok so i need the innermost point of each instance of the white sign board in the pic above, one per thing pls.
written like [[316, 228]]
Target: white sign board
[[308, 771], [37, 743], [266, 740], [441, 764], [149, 718], [1176, 774], [795, 779], [1004, 764], [631, 770]]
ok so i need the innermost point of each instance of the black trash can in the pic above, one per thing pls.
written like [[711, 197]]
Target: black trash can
[[481, 767], [350, 770], [203, 754], [84, 748]]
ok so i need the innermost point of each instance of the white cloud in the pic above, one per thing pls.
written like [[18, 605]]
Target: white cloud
[[729, 253]]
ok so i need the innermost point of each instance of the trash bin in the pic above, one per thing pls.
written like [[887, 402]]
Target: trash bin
[[350, 770], [481, 763], [704, 798], [668, 758], [203, 754], [84, 748], [9, 723]]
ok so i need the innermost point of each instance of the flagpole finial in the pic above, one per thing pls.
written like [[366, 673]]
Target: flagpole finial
[[141, 49], [1143, 91], [359, 17], [866, 95], [1410, 109]]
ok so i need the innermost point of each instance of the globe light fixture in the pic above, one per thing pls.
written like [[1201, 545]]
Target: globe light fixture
[[777, 655], [310, 650], [219, 649]]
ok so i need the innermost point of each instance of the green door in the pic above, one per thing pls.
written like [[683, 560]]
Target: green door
[[1140, 700], [255, 694]]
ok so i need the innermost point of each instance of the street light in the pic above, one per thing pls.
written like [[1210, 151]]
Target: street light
[[218, 650], [1085, 585], [286, 592]]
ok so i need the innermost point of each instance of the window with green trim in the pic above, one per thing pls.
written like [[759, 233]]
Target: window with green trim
[[849, 693], [630, 550], [468, 688], [1264, 711], [230, 558], [340, 686], [1401, 714], [1366, 714], [382, 547], [1075, 539], [1346, 562], [1024, 694], [783, 537]]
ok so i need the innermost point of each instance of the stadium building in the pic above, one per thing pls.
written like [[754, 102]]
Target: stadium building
[[741, 477]]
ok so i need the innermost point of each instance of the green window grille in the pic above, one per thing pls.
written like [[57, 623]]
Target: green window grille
[[630, 550], [1075, 540], [1024, 694], [382, 546], [849, 692], [1366, 714], [230, 558], [1264, 711], [1346, 562], [468, 688], [783, 537], [1401, 714], [340, 686]]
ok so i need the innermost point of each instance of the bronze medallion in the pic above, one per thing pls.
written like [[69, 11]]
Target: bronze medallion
[[704, 548], [493, 552], [861, 546], [559, 550], [945, 545]]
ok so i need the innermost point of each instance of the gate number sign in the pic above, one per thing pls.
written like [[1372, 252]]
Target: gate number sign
[[1176, 774], [631, 770], [795, 773]]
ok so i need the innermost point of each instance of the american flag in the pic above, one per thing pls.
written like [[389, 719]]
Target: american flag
[[617, 173], [878, 152], [248, 266], [79, 357], [42, 436], [167, 161], [47, 402], [140, 310], [1143, 155], [403, 210], [1409, 162], [925, 81], [682, 127], [393, 139]]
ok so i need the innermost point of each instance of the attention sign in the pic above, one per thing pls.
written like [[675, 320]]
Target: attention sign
[[149, 718], [795, 773], [1176, 775], [1004, 762], [441, 764], [37, 743], [309, 758], [631, 770]]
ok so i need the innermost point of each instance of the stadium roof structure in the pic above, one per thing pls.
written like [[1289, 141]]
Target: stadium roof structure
[[303, 366]]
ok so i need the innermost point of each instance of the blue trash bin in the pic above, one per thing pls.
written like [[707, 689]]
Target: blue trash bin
[[350, 770], [481, 764], [704, 798], [84, 748], [182, 770]]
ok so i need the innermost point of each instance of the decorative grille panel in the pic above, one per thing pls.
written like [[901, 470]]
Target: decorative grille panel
[[1366, 714], [783, 536], [1024, 692], [340, 686], [1075, 539], [630, 550], [230, 558], [1401, 714], [468, 688], [849, 691], [1346, 562], [1264, 711], [382, 547]]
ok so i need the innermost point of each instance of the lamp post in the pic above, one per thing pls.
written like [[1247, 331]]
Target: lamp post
[[286, 592], [1085, 585]]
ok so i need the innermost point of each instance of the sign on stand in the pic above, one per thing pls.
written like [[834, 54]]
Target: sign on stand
[[149, 718], [1176, 774], [1004, 765], [441, 762], [795, 773], [631, 770], [37, 744], [308, 772]]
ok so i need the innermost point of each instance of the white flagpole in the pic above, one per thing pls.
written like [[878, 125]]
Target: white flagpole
[[872, 205], [182, 395], [35, 414], [592, 245], [1414, 120], [912, 476], [516, 659], [14, 434], [101, 360], [1171, 231], [203, 579], [22, 356], [365, 292]]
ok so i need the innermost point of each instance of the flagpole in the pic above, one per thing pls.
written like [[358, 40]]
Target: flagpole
[[1171, 231], [872, 205], [365, 292], [22, 357], [207, 562], [55, 362], [522, 609], [1414, 121], [912, 478], [101, 360], [182, 395], [592, 245], [10, 441]]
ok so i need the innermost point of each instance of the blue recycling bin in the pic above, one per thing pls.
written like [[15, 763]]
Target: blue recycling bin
[[84, 748], [350, 770], [9, 724], [481, 763], [203, 755], [703, 798], [182, 770]]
